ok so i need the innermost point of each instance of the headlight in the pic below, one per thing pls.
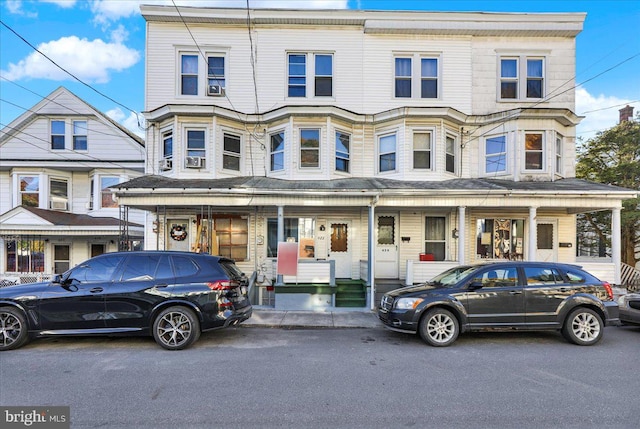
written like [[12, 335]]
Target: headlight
[[408, 303]]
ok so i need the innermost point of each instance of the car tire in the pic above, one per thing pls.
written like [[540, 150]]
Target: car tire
[[176, 328], [583, 327], [14, 332], [439, 327]]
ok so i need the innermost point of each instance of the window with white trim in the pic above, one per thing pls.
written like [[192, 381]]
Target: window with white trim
[[429, 78], [61, 258], [450, 154], [231, 152], [196, 143], [417, 76], [297, 83], [57, 135], [309, 148], [500, 239], [422, 142], [29, 191], [106, 197], [343, 143], [522, 77], [189, 74], [79, 135], [387, 153], [215, 74], [309, 74], [324, 75], [559, 154], [403, 77], [276, 151], [167, 145], [232, 233], [435, 237], [533, 151], [495, 154], [59, 194]]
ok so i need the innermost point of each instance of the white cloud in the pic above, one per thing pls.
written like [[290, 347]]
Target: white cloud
[[106, 11], [15, 7], [89, 61], [129, 122], [66, 4], [601, 112]]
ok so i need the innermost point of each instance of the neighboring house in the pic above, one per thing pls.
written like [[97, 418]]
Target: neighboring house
[[57, 163], [388, 145]]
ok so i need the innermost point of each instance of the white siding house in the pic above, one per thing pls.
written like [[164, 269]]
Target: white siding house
[[57, 163], [388, 145]]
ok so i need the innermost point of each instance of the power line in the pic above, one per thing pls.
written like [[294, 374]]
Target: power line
[[611, 107]]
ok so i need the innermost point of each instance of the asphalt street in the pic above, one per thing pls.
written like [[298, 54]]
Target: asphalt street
[[259, 377]]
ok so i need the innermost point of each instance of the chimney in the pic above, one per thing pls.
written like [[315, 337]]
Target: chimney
[[626, 113]]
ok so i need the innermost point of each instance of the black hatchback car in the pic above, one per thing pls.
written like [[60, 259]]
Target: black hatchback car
[[508, 295], [173, 296]]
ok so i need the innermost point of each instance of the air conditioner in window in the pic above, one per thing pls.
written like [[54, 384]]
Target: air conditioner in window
[[166, 164], [59, 205], [194, 161], [215, 90]]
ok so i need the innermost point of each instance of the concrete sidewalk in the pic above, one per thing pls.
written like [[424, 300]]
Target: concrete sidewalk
[[267, 317]]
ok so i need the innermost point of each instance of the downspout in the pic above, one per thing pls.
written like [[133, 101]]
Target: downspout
[[370, 251]]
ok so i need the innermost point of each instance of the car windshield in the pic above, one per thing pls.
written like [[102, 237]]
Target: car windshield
[[452, 276]]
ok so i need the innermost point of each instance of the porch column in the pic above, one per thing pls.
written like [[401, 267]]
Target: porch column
[[279, 277], [371, 256], [533, 235], [616, 245], [462, 234]]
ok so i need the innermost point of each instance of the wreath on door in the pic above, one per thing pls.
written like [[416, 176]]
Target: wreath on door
[[178, 233]]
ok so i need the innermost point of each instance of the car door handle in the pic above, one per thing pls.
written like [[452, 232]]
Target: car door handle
[[564, 289], [96, 290], [161, 285], [515, 292]]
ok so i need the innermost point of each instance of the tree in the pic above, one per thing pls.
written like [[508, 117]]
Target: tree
[[613, 157]]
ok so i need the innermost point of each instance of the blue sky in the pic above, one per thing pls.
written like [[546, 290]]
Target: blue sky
[[102, 43]]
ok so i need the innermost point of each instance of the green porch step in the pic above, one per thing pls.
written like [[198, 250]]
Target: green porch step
[[350, 293]]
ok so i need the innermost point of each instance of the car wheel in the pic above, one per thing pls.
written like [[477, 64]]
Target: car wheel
[[439, 327], [176, 328], [583, 327], [13, 328]]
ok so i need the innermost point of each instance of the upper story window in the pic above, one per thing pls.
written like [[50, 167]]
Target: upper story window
[[57, 135], [29, 191], [450, 156], [496, 154], [309, 148], [231, 152], [314, 68], [403, 78], [343, 142], [424, 68], [59, 194], [166, 150], [513, 86], [189, 74], [387, 153], [559, 157], [106, 197], [422, 150], [79, 135], [276, 151], [196, 151], [215, 75], [429, 77], [533, 151]]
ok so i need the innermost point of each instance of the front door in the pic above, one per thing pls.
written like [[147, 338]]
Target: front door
[[340, 244], [546, 248], [177, 235], [386, 253]]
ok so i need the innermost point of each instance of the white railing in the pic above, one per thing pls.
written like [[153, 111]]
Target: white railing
[[630, 277], [13, 278]]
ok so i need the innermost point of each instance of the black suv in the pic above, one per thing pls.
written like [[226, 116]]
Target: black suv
[[504, 295], [173, 296]]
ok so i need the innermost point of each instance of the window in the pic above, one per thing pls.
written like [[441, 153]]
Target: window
[[277, 151], [184, 266], [215, 74], [403, 78], [96, 270], [386, 230], [195, 143], [146, 267], [512, 86], [298, 230], [57, 135], [545, 236], [540, 276], [429, 78], [97, 249], [342, 151], [500, 238], [309, 148], [501, 277], [450, 155], [29, 191], [387, 153], [435, 240], [533, 151], [496, 154], [297, 75], [59, 194], [25, 254], [167, 145], [60, 258], [559, 150], [233, 237], [324, 75], [79, 135], [231, 152], [422, 151], [189, 75], [106, 198]]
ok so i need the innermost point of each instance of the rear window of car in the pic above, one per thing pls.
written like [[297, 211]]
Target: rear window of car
[[542, 276], [147, 267], [184, 266], [231, 269], [576, 277]]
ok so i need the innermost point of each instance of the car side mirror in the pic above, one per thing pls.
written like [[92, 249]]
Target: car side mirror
[[56, 279]]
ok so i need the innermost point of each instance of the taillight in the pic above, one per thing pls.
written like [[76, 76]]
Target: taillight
[[222, 285], [607, 287]]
